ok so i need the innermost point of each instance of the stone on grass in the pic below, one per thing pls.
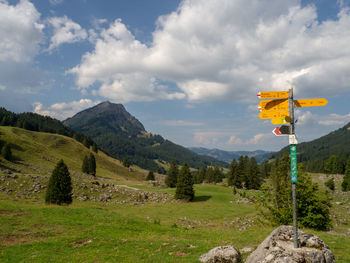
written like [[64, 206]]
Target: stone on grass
[[224, 254], [278, 247]]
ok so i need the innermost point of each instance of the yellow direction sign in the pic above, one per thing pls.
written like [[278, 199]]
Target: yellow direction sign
[[279, 121], [274, 114], [273, 94], [273, 105], [310, 103]]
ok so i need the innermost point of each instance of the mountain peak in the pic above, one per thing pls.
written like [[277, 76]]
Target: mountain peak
[[112, 116]]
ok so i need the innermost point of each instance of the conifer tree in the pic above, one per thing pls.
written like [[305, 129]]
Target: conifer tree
[[85, 167], [232, 173], [312, 205], [95, 148], [209, 177], [346, 181], [200, 176], [252, 175], [171, 178], [59, 189], [92, 164], [150, 176], [6, 152], [184, 186]]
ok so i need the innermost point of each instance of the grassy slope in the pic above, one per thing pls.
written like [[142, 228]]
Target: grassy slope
[[38, 153]]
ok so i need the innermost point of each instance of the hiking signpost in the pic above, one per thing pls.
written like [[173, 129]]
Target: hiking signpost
[[279, 106]]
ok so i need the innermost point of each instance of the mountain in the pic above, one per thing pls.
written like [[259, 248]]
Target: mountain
[[316, 151], [227, 156], [124, 137]]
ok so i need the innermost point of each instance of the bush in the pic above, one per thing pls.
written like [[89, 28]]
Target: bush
[[330, 184], [6, 152], [59, 189], [150, 176]]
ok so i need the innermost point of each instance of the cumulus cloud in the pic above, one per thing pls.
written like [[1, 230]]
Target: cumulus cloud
[[224, 50], [21, 34], [307, 118], [20, 31], [64, 110], [65, 31]]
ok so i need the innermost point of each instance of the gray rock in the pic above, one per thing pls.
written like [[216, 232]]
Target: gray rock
[[278, 247], [224, 254]]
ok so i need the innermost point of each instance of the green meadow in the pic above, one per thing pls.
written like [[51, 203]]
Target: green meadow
[[93, 231]]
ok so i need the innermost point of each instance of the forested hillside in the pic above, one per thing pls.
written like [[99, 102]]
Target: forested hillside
[[124, 137], [316, 152]]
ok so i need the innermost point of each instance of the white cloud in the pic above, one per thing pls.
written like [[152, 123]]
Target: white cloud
[[234, 140], [2, 87], [224, 50], [65, 31], [333, 119], [20, 32], [183, 123], [64, 110]]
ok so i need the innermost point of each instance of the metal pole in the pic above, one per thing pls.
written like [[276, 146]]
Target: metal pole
[[293, 166]]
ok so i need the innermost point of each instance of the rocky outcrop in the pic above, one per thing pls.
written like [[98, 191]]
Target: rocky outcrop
[[278, 247], [225, 254]]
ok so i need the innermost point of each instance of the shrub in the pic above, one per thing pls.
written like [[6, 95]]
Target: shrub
[[330, 184], [6, 152], [150, 176]]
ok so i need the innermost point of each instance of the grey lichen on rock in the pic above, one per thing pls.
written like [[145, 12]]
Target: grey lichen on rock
[[278, 247], [224, 254]]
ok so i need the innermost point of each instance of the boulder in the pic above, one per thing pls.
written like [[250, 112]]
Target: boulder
[[224, 254], [278, 247]]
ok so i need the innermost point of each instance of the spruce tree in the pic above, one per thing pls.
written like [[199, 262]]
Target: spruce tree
[[95, 148], [252, 175], [232, 174], [346, 181], [6, 152], [150, 176], [171, 178], [200, 175], [85, 167], [184, 186], [92, 164], [312, 204], [59, 189]]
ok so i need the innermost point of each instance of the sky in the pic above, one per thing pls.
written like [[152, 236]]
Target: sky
[[189, 70]]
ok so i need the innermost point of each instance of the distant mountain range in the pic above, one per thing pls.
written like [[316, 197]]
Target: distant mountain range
[[228, 156], [122, 136]]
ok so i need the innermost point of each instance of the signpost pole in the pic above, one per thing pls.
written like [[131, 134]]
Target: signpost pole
[[293, 163]]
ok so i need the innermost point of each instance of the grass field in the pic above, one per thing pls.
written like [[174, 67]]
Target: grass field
[[92, 231]]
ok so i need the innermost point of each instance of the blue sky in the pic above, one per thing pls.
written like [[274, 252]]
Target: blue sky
[[188, 70]]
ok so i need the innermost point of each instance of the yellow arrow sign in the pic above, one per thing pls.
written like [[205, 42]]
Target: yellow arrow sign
[[273, 105], [310, 103], [274, 114], [279, 121], [273, 94]]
